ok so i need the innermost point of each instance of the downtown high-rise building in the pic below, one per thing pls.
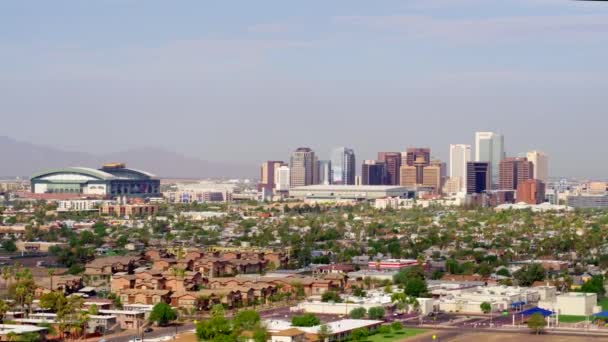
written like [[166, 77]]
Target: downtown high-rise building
[[489, 147], [479, 177], [343, 166], [303, 167], [373, 172], [460, 155], [282, 178], [325, 172], [392, 161], [418, 158], [268, 172], [541, 165], [514, 171]]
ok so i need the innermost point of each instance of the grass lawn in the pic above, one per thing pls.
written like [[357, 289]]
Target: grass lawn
[[603, 303], [396, 336], [571, 319]]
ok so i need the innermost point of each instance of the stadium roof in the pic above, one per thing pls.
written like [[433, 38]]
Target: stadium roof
[[78, 170]]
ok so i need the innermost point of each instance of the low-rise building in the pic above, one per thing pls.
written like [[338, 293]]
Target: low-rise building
[[572, 303]]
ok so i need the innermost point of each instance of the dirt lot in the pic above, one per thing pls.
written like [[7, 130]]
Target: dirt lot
[[489, 337], [187, 337]]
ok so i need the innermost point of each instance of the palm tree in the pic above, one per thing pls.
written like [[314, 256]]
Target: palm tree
[[51, 273], [3, 309]]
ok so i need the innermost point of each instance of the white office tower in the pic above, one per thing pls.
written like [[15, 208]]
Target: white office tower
[[282, 180], [343, 166], [324, 172], [541, 165], [460, 155], [490, 147]]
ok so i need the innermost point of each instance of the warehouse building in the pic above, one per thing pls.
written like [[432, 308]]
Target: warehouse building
[[349, 193]]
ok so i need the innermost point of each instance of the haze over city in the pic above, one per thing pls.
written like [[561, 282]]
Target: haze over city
[[250, 81]]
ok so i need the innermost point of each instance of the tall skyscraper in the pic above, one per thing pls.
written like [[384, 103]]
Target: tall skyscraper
[[478, 177], [460, 155], [541, 165], [325, 173], [489, 147], [343, 166], [303, 167], [282, 179], [268, 174], [514, 171], [393, 165], [373, 172], [419, 158]]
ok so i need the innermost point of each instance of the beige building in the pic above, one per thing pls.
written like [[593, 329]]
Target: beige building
[[431, 177], [37, 246], [572, 303], [541, 165], [303, 167], [407, 175]]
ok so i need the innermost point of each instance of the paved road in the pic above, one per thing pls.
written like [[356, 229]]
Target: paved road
[[158, 332]]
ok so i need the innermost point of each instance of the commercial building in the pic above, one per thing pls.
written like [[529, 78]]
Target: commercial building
[[514, 171], [268, 173], [585, 201], [541, 165], [348, 192], [460, 155], [343, 166], [531, 191], [283, 179], [408, 176], [431, 177], [418, 158], [478, 177], [393, 166], [391, 264], [112, 180], [303, 167], [325, 172], [128, 209], [79, 205], [489, 147], [373, 172]]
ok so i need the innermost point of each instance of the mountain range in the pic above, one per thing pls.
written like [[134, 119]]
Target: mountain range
[[19, 158]]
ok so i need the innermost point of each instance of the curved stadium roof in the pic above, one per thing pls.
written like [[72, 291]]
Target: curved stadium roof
[[102, 175]]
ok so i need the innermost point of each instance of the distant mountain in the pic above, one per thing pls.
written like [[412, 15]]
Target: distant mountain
[[22, 159]]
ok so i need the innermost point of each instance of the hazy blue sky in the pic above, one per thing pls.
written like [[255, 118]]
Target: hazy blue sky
[[222, 80]]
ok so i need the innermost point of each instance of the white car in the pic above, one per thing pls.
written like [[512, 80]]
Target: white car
[[137, 339]]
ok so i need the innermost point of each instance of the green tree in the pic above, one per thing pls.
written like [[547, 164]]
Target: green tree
[[530, 273], [9, 246], [359, 334], [376, 312], [536, 323], [331, 296], [162, 314], [594, 285], [485, 307], [396, 326], [358, 313], [305, 320], [260, 334], [246, 320], [324, 332], [416, 287]]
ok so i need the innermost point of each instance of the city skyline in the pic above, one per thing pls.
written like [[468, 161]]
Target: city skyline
[[360, 74]]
